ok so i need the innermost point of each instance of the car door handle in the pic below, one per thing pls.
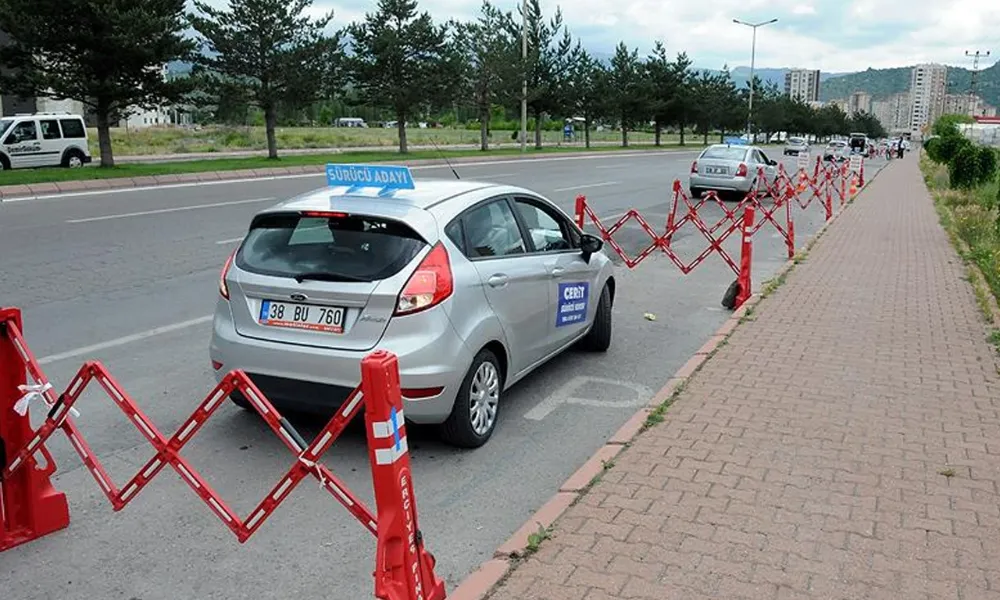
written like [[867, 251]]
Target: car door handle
[[497, 281], [558, 272]]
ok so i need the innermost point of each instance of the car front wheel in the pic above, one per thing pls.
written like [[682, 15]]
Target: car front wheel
[[474, 416], [598, 339]]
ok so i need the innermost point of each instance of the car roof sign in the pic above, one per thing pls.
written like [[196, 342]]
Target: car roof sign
[[386, 178]]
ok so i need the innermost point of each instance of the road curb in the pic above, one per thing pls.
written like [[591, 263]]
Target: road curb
[[480, 583], [34, 190]]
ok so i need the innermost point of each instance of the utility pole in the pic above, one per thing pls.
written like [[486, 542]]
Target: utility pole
[[753, 58], [524, 80], [975, 76]]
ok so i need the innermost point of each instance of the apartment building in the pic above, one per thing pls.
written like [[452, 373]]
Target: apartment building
[[928, 88], [893, 112], [859, 102], [964, 104], [802, 84]]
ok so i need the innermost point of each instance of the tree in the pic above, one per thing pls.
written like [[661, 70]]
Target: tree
[[679, 107], [550, 56], [270, 49], [588, 91], [707, 112], [732, 106], [661, 87], [401, 60], [108, 55], [625, 84], [770, 110], [491, 56], [863, 122]]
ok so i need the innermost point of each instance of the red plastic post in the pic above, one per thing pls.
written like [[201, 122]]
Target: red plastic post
[[861, 175], [790, 240], [580, 201], [746, 257], [404, 569], [30, 507]]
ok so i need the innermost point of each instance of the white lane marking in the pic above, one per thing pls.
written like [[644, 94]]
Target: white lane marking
[[585, 186], [564, 395], [230, 240], [161, 211], [169, 186], [128, 339]]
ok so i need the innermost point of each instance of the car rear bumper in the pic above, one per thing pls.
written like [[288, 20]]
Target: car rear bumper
[[721, 184], [320, 379]]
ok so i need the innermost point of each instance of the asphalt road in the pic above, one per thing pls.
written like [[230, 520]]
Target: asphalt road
[[130, 279]]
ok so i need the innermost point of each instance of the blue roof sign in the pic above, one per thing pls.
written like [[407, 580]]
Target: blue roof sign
[[736, 141], [386, 178]]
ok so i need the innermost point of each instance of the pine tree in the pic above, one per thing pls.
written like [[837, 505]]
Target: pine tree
[[106, 54], [401, 60], [626, 87], [271, 49]]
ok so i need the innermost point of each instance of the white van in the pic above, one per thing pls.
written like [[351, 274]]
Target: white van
[[43, 140], [350, 122]]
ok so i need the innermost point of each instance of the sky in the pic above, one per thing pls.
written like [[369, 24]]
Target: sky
[[831, 35]]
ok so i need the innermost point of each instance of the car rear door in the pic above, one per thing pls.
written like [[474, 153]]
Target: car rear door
[[515, 282], [573, 282], [770, 171], [351, 269]]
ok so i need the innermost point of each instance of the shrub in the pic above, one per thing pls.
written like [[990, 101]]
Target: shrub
[[933, 148], [948, 147], [963, 168], [986, 161]]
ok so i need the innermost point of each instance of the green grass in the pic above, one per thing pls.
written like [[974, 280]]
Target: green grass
[[184, 140], [969, 216], [26, 176]]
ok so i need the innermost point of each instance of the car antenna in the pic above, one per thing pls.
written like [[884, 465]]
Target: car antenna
[[446, 161]]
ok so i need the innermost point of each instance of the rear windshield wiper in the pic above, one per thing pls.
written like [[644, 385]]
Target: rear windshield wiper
[[328, 276]]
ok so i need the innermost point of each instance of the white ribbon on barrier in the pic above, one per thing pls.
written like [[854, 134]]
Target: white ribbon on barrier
[[31, 392]]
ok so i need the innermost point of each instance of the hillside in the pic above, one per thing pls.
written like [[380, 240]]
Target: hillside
[[885, 82]]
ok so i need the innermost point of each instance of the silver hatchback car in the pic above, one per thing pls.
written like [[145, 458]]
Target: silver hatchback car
[[731, 171], [472, 285]]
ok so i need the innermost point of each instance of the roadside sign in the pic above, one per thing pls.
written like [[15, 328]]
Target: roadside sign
[[386, 178], [802, 161], [855, 164]]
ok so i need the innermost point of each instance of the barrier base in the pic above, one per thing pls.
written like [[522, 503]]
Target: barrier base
[[51, 513]]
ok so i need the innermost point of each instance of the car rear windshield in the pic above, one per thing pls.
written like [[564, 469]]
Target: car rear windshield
[[796, 141], [356, 247], [725, 153]]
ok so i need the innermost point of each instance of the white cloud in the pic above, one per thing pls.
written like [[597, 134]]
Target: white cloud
[[832, 35]]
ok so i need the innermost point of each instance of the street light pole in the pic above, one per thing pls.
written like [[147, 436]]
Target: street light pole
[[524, 80], [753, 60]]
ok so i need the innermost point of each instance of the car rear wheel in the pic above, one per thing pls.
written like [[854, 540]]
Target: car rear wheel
[[696, 192], [598, 339], [73, 159], [240, 400], [474, 416]]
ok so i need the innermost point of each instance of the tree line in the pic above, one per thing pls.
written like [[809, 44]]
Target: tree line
[[270, 54]]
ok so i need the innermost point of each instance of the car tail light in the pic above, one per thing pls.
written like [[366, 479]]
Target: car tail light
[[223, 287], [216, 365], [429, 285], [741, 171], [420, 393], [694, 167], [324, 214]]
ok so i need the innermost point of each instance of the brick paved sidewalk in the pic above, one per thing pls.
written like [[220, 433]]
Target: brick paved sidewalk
[[809, 458]]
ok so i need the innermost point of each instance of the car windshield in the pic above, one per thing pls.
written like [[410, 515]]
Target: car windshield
[[5, 125], [725, 153], [837, 144], [330, 246]]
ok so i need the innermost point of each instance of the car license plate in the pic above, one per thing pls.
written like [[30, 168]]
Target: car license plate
[[326, 319], [716, 170]]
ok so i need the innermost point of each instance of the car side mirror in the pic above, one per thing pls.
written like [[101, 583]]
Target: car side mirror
[[590, 245]]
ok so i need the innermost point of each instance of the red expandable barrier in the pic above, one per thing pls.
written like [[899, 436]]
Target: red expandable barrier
[[746, 258], [32, 508]]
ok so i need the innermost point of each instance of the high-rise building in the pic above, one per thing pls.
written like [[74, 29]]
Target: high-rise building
[[893, 112], [802, 84], [859, 102], [964, 104], [928, 87]]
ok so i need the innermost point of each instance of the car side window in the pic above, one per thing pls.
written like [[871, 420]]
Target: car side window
[[73, 128], [456, 234], [50, 129], [491, 230], [548, 232], [25, 131]]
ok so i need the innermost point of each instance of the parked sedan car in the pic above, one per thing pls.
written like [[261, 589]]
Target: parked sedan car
[[837, 151], [472, 285], [729, 170], [796, 145]]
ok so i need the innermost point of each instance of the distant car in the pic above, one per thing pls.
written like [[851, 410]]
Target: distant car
[[858, 143], [731, 171], [796, 145], [472, 285], [836, 151]]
